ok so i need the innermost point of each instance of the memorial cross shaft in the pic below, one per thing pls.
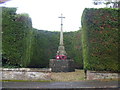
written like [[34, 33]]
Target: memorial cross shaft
[[61, 33], [61, 48]]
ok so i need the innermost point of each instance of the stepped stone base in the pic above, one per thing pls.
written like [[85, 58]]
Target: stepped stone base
[[62, 65]]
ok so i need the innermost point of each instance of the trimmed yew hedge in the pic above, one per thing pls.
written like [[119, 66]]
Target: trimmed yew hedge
[[100, 39], [16, 38]]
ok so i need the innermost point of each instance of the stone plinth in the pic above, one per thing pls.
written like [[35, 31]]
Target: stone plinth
[[66, 65]]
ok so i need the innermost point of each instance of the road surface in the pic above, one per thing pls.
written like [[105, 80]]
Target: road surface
[[81, 85]]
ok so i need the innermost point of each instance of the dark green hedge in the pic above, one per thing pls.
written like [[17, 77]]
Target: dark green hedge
[[44, 47], [100, 39], [73, 46], [16, 38]]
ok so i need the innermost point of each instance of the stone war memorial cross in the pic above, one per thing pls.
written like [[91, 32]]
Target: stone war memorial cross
[[61, 53], [61, 63]]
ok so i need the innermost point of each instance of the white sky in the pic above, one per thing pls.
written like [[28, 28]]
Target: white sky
[[45, 13]]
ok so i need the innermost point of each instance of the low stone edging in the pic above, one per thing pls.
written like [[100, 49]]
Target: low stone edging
[[95, 75], [25, 74], [45, 74]]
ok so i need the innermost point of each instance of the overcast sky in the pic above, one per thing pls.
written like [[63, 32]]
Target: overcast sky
[[45, 13]]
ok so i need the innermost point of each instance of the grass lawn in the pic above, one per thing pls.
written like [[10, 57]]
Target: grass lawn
[[78, 75]]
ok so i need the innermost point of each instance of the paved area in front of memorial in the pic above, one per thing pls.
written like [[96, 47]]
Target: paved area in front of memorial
[[52, 85]]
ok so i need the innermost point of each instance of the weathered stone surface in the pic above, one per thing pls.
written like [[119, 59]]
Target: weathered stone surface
[[93, 75], [25, 74], [62, 65]]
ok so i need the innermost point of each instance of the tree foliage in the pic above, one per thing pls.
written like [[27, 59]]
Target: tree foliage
[[108, 3]]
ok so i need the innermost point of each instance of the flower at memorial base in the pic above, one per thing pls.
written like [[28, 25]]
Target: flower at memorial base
[[57, 57]]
